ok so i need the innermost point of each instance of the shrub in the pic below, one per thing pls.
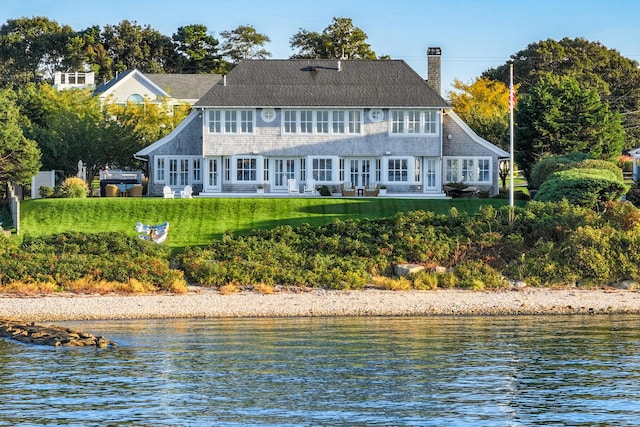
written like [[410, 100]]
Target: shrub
[[45, 192], [548, 165], [324, 191], [74, 188], [625, 163], [583, 187]]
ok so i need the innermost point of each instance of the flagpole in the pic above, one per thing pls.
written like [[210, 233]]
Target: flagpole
[[511, 160]]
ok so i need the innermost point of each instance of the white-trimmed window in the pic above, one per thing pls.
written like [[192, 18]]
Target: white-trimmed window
[[160, 169], [246, 169], [177, 170], [337, 118], [414, 122], [468, 169], [306, 121], [231, 121], [398, 170], [355, 119], [322, 121], [322, 169]]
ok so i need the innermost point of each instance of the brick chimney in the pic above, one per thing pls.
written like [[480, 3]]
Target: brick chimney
[[434, 68]]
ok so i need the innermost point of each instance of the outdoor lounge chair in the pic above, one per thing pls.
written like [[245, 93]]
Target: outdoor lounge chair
[[293, 187], [187, 192], [370, 191], [111, 190], [347, 192], [135, 191], [167, 192], [310, 187]]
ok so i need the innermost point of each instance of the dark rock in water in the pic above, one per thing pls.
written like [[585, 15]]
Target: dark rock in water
[[52, 335]]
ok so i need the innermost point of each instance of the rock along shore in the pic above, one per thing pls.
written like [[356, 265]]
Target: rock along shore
[[52, 335], [204, 302]]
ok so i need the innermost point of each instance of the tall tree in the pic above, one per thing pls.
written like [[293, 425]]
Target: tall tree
[[341, 39], [32, 48], [244, 43], [558, 116], [133, 46], [198, 50], [484, 106], [19, 156], [615, 78]]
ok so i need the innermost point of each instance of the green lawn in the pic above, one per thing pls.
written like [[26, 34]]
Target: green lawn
[[198, 221]]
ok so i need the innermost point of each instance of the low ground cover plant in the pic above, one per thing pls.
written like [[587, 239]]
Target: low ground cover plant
[[83, 262], [544, 244]]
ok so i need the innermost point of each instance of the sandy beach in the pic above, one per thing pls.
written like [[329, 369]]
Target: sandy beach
[[203, 302]]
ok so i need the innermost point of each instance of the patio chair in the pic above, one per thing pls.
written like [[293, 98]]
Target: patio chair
[[293, 187], [310, 187], [111, 190], [167, 192], [371, 191], [347, 192], [186, 193], [135, 191]]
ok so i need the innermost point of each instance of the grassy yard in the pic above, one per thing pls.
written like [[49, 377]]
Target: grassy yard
[[196, 222]]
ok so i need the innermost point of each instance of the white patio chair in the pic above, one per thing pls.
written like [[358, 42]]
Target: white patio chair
[[310, 188], [186, 193], [293, 187], [167, 192]]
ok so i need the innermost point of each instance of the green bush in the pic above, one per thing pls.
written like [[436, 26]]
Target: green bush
[[45, 192], [548, 165], [584, 187], [74, 188]]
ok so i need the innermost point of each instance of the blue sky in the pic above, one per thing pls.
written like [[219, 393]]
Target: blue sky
[[473, 35]]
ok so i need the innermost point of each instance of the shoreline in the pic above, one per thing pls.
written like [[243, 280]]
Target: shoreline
[[203, 302]]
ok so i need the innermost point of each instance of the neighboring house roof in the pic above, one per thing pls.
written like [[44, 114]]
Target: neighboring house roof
[[185, 86], [322, 83], [182, 87]]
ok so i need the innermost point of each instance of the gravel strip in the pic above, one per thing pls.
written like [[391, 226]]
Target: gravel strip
[[202, 302]]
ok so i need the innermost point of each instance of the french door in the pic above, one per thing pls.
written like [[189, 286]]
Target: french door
[[283, 171], [212, 174], [360, 172], [431, 175]]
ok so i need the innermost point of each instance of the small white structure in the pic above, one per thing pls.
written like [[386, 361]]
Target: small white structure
[[74, 80], [43, 178]]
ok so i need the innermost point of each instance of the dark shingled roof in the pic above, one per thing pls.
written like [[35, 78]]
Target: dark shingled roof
[[178, 86], [184, 86], [319, 83]]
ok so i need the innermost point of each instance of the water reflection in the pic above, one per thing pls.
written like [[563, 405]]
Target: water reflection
[[483, 371]]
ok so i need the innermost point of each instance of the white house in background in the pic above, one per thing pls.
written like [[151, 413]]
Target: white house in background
[[74, 80], [636, 163], [135, 86], [352, 122]]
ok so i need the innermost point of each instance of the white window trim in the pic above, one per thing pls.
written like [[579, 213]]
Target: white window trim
[[238, 122], [475, 159], [410, 170], [335, 168], [423, 123], [234, 169], [314, 127], [268, 115], [166, 159]]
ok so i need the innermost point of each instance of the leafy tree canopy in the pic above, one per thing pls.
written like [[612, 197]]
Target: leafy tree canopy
[[19, 156], [484, 106], [198, 49], [244, 43], [615, 78], [338, 40], [559, 116]]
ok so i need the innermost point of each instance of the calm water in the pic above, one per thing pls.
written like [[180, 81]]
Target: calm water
[[504, 371]]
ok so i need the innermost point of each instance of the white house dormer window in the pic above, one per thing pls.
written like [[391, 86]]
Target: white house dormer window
[[414, 122], [231, 121]]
